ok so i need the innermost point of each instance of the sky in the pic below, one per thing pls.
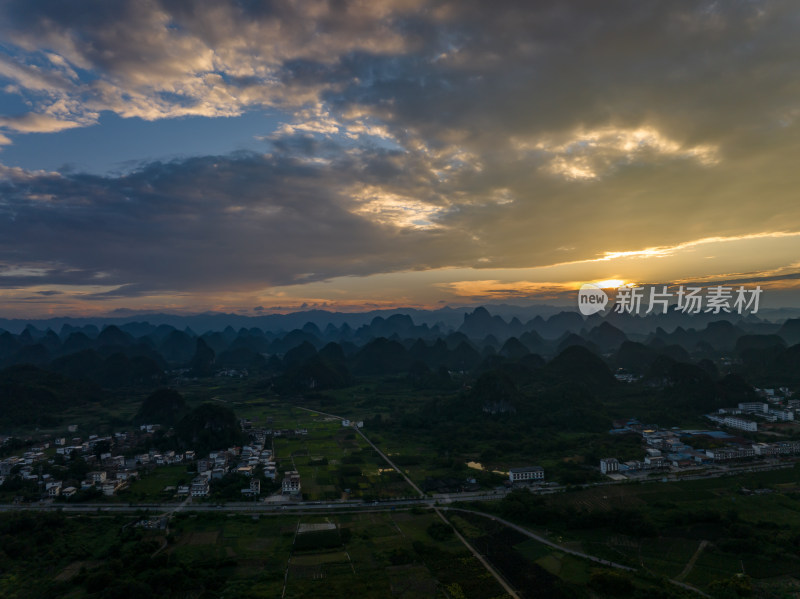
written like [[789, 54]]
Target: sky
[[258, 157]]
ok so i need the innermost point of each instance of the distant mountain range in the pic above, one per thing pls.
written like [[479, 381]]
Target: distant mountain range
[[691, 354], [447, 318]]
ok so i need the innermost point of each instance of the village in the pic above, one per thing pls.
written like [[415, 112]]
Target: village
[[677, 451], [73, 467], [110, 473]]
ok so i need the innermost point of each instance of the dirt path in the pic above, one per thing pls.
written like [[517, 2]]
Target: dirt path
[[499, 577], [690, 564], [598, 560]]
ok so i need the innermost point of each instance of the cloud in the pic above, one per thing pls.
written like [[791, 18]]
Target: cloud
[[591, 154], [310, 211], [37, 123], [248, 221], [438, 75], [156, 60], [483, 290], [416, 136]]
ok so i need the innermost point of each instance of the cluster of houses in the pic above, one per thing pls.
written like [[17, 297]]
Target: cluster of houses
[[111, 472], [747, 414], [665, 449], [241, 460], [28, 467], [624, 376]]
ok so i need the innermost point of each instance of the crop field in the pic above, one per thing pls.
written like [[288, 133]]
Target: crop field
[[150, 486], [389, 554], [333, 461], [386, 554], [700, 532]]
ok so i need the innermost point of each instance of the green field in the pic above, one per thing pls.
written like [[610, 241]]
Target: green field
[[381, 555], [705, 533], [150, 485]]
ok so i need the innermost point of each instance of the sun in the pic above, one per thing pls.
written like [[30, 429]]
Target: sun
[[613, 284]]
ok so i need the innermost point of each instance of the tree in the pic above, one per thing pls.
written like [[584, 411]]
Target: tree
[[102, 447], [611, 583], [163, 406], [202, 363]]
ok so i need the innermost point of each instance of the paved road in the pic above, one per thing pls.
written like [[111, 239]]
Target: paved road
[[261, 506], [332, 507]]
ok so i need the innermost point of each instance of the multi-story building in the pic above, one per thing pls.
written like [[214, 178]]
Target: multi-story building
[[783, 415], [291, 482], [740, 423], [753, 407], [528, 474], [609, 465], [200, 487]]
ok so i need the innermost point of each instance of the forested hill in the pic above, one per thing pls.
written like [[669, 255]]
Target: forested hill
[[702, 366]]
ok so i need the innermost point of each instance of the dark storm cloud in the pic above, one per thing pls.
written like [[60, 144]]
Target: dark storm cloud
[[521, 134], [478, 69], [206, 223]]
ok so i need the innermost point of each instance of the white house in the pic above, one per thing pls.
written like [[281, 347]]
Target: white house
[[654, 461], [53, 489], [200, 487], [783, 415], [254, 488], [752, 407], [97, 477], [291, 482], [609, 465], [740, 423], [528, 474], [766, 449], [110, 487]]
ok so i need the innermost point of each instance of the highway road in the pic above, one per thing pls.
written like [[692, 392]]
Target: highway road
[[259, 507]]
